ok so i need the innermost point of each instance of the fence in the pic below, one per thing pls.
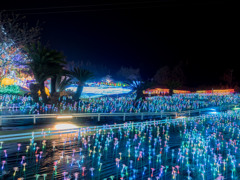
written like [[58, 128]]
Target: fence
[[34, 117], [47, 133]]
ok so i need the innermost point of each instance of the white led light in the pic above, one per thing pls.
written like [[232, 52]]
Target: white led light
[[64, 117]]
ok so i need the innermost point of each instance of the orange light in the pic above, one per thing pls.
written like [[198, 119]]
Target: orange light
[[156, 91], [217, 91], [181, 92]]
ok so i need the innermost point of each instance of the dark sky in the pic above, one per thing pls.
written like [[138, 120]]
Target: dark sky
[[141, 34]]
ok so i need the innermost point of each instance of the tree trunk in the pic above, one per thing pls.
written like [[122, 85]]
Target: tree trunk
[[139, 94], [78, 93], [34, 88], [43, 93], [170, 91], [53, 84]]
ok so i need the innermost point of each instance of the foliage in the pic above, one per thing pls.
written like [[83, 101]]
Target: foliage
[[15, 29], [45, 63], [34, 88], [59, 72], [63, 82], [100, 70], [139, 86], [129, 74], [10, 58], [14, 34], [80, 76], [229, 78], [170, 78]]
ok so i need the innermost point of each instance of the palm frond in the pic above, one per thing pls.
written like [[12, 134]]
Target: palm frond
[[62, 84], [44, 62], [81, 75]]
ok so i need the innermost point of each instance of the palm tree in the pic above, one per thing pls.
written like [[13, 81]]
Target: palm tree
[[139, 86], [59, 72], [62, 83], [81, 76], [44, 63]]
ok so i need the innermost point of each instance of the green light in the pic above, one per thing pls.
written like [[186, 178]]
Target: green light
[[236, 108], [11, 89]]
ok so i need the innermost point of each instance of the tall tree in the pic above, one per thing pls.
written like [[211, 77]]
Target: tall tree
[[228, 77], [15, 30], [59, 63], [63, 82], [81, 76], [100, 70], [44, 64], [129, 74], [14, 35]]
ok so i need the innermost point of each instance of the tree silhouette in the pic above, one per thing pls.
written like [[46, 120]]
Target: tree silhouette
[[139, 86], [170, 78], [44, 63], [228, 77], [81, 76], [128, 74]]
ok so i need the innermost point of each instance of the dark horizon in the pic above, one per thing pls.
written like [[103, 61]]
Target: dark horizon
[[140, 34]]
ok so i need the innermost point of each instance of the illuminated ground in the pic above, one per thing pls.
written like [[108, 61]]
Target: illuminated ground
[[136, 148], [93, 92]]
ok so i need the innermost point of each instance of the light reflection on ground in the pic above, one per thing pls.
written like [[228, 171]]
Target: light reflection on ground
[[65, 126]]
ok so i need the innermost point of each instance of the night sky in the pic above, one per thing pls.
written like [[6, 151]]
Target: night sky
[[140, 34]]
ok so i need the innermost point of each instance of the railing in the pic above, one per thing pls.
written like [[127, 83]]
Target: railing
[[47, 133], [34, 117]]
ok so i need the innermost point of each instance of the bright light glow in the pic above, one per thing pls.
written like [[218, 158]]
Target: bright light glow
[[156, 91], [65, 126], [64, 117], [217, 91], [100, 91], [214, 112], [236, 108], [12, 60], [181, 117], [108, 80], [181, 92], [46, 91]]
